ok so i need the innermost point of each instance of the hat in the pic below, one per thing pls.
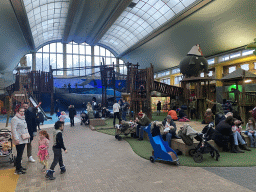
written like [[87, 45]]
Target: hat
[[196, 50], [140, 114]]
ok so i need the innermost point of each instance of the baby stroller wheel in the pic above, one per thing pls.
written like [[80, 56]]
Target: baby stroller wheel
[[198, 157], [119, 138], [177, 163], [217, 156], [116, 136], [212, 154], [152, 159], [192, 152]]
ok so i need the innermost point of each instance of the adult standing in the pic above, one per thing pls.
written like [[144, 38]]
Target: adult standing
[[158, 107], [30, 118], [116, 108], [69, 88], [19, 129], [72, 114], [125, 110]]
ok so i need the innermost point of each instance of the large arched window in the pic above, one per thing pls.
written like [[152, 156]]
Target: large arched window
[[78, 56]]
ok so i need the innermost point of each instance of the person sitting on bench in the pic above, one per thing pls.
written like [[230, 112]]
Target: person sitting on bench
[[169, 129], [142, 122]]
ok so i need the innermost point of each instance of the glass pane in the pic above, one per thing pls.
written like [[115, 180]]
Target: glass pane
[[247, 52], [75, 61], [59, 63], [29, 60], [210, 61], [53, 61], [102, 51], [88, 50], [82, 72], [202, 75], [96, 50], [88, 61], [210, 73], [234, 55], [125, 70], [69, 48], [39, 61], [75, 48], [97, 63], [59, 48], [46, 62], [108, 53], [82, 60], [53, 47], [40, 50], [82, 49], [46, 48], [69, 64], [245, 67], [108, 61], [231, 69]]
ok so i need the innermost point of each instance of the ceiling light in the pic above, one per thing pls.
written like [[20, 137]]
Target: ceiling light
[[248, 81]]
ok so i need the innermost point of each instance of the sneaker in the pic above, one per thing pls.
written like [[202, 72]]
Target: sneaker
[[30, 159], [19, 172], [140, 139]]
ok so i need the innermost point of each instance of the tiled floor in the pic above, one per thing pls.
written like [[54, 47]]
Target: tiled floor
[[98, 162]]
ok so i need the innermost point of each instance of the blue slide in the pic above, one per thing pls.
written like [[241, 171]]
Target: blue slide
[[161, 148]]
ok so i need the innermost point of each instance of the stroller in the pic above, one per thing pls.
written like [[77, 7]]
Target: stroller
[[125, 128], [6, 145], [204, 147]]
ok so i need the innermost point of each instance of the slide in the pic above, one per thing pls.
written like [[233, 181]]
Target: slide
[[35, 103]]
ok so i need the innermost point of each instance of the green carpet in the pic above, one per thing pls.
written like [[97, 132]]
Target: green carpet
[[144, 150]]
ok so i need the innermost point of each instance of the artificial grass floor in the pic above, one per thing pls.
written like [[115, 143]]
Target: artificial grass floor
[[227, 159]]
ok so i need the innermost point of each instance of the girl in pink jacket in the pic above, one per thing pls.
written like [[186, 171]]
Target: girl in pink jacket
[[43, 145]]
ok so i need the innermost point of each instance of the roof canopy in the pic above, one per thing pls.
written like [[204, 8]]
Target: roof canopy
[[239, 74]]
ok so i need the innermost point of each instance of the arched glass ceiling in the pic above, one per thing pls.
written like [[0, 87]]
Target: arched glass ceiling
[[136, 23], [47, 19]]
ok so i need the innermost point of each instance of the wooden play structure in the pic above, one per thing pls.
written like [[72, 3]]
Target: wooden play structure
[[244, 100], [29, 84], [202, 90]]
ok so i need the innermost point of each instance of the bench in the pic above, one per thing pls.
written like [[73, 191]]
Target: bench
[[97, 122]]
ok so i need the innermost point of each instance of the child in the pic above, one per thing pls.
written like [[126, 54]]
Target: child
[[58, 113], [251, 130], [57, 146], [43, 145], [62, 117]]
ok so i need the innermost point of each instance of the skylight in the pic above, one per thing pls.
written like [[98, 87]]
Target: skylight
[[47, 19], [136, 23]]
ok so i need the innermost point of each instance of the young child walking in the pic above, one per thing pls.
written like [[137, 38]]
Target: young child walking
[[43, 145], [58, 144], [62, 117]]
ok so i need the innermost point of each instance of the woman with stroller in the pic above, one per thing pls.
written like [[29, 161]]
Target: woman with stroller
[[251, 130], [20, 137]]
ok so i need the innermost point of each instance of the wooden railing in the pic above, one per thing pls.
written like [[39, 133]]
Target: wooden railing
[[167, 89], [244, 99]]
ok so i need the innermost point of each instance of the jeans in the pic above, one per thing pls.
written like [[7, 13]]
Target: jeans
[[72, 121], [250, 135], [20, 150], [57, 158], [140, 131], [29, 149], [238, 137], [116, 115], [169, 138], [124, 115]]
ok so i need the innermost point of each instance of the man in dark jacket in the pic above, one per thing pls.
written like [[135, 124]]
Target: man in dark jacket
[[72, 113], [30, 118], [142, 122], [169, 129]]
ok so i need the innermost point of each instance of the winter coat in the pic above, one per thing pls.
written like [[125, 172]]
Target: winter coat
[[72, 112], [144, 121], [19, 127], [173, 114], [30, 118], [173, 131]]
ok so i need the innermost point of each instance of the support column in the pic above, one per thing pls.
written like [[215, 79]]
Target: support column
[[33, 61], [93, 61], [219, 84], [64, 58]]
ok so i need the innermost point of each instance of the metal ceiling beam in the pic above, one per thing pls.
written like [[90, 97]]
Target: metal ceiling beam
[[70, 24], [110, 21], [173, 22], [22, 19]]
